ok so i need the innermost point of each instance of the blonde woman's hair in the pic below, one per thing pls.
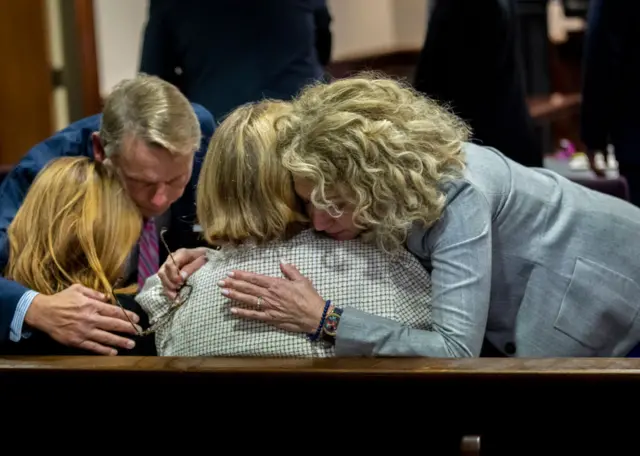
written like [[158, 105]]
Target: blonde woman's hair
[[244, 193], [76, 226], [377, 145], [152, 110]]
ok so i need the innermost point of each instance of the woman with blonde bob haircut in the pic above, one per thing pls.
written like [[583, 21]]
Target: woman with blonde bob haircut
[[542, 266], [76, 226], [247, 207]]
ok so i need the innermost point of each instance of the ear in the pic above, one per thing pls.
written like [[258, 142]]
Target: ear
[[98, 150]]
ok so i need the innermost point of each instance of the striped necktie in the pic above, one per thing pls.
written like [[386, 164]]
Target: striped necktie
[[148, 258]]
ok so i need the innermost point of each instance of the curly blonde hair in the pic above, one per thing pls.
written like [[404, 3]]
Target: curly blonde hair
[[380, 146]]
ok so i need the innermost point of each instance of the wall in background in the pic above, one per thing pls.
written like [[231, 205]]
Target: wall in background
[[410, 23], [119, 25], [362, 28]]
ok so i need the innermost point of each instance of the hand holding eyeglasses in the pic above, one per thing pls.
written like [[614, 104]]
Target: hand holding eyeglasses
[[178, 267], [179, 290]]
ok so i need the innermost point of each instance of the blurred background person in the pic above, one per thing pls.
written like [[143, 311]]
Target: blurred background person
[[224, 53], [471, 61], [610, 93]]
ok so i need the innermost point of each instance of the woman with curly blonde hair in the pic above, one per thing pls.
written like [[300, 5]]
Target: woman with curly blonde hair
[[542, 266]]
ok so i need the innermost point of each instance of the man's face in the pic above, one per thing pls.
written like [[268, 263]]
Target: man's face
[[340, 228], [154, 178]]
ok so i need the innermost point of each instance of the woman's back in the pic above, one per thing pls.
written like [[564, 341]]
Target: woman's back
[[350, 273]]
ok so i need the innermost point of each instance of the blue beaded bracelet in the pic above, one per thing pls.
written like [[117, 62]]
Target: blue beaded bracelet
[[316, 335]]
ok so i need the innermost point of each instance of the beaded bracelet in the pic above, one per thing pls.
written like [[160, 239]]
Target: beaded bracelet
[[316, 335]]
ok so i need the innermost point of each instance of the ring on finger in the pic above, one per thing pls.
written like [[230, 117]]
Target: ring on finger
[[259, 303]]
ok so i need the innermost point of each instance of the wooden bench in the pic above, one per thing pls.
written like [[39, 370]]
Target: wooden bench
[[433, 406]]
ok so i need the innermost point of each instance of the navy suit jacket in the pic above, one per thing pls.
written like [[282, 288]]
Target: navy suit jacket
[[75, 140], [231, 52], [610, 92]]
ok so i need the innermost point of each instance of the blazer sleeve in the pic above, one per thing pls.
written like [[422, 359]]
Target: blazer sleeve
[[458, 247], [12, 192]]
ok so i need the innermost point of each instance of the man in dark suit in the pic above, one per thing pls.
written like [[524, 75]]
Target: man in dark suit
[[471, 62], [610, 93], [225, 53], [156, 140]]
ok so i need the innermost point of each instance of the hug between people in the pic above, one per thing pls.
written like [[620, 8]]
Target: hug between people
[[357, 219]]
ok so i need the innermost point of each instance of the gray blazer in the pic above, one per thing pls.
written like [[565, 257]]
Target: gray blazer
[[547, 267]]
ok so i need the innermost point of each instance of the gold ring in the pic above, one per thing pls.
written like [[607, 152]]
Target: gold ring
[[259, 304]]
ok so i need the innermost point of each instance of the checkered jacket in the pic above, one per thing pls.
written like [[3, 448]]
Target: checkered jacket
[[349, 273]]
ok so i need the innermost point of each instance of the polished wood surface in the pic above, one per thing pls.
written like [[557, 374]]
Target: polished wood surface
[[403, 367]]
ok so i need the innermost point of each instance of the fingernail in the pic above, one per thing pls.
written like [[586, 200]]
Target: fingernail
[[221, 283], [230, 274], [234, 310], [184, 275], [282, 261], [225, 292], [136, 318], [131, 344], [113, 353]]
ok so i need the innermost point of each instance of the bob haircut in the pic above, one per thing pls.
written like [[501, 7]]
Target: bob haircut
[[244, 193]]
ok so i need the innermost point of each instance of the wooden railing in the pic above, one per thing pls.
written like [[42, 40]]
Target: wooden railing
[[434, 406], [575, 369]]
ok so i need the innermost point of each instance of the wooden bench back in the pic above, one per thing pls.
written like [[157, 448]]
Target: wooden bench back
[[429, 406]]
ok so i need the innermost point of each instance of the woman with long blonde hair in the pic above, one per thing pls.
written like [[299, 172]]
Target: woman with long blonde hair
[[76, 226], [247, 206]]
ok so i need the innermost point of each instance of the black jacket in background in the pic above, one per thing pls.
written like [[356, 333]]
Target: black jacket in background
[[231, 52], [471, 61], [611, 86]]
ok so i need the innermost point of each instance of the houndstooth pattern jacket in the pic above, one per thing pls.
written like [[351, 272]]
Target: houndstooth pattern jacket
[[350, 273]]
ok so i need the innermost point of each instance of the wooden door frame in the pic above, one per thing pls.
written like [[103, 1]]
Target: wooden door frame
[[80, 73], [85, 26]]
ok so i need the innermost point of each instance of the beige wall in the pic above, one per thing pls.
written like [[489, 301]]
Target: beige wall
[[360, 28], [365, 27], [119, 25]]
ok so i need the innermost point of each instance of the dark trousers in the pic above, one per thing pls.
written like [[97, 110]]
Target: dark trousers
[[631, 172]]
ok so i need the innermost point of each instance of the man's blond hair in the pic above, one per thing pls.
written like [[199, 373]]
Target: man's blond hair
[[152, 110], [244, 193]]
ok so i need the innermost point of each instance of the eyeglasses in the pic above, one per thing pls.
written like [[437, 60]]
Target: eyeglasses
[[182, 296]]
